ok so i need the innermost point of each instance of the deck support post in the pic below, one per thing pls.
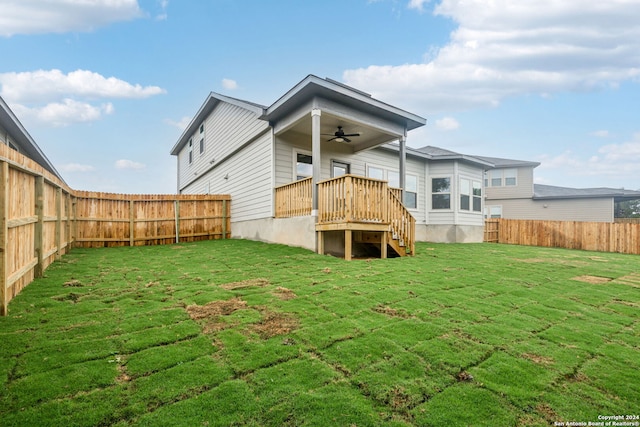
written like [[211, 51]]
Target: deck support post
[[402, 168], [348, 244]]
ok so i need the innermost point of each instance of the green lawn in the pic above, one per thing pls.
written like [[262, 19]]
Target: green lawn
[[233, 332]]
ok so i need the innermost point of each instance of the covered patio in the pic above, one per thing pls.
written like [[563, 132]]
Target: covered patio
[[347, 206]]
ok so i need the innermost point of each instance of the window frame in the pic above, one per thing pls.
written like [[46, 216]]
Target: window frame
[[190, 151], [449, 193], [385, 177], [471, 197], [489, 208], [339, 163], [297, 152]]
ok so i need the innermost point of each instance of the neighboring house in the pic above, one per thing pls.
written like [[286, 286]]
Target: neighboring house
[[13, 134], [511, 193], [317, 169]]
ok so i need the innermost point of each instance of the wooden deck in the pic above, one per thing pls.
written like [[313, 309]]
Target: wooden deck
[[366, 210]]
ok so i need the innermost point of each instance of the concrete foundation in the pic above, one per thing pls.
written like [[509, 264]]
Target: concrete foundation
[[449, 233], [298, 231]]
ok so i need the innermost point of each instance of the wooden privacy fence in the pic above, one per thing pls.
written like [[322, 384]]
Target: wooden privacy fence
[[41, 218], [108, 220], [591, 236]]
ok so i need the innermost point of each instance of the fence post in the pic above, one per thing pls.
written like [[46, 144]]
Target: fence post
[[67, 234], [74, 219], [4, 235], [39, 227], [58, 222], [224, 219], [132, 225], [176, 204]]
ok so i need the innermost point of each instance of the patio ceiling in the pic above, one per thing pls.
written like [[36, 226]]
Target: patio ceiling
[[369, 136]]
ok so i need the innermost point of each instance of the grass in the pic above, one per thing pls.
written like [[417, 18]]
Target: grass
[[244, 333]]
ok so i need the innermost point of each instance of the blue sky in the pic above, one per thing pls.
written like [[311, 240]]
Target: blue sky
[[105, 87]]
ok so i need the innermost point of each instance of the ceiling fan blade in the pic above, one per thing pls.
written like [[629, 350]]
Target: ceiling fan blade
[[352, 134], [346, 139]]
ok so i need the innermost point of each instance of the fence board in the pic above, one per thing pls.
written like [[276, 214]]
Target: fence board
[[41, 218], [592, 236]]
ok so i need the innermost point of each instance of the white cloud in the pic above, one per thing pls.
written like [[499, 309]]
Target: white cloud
[[180, 124], [60, 16], [600, 133], [129, 164], [65, 112], [417, 4], [46, 85], [617, 161], [505, 48], [162, 16], [229, 84], [447, 123], [51, 96], [76, 167]]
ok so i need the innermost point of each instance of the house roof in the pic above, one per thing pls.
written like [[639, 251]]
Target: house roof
[[213, 99], [437, 153], [25, 142], [508, 163], [305, 91], [313, 86], [545, 192]]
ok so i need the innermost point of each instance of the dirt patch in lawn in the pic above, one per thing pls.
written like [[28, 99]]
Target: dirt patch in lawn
[[274, 324], [284, 293], [212, 316], [595, 280], [547, 412], [391, 312], [215, 309], [540, 360], [632, 279], [249, 283]]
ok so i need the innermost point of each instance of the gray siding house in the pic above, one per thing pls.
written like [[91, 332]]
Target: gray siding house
[[13, 134], [326, 160], [511, 193]]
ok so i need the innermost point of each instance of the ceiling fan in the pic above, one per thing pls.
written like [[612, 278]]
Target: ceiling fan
[[340, 136]]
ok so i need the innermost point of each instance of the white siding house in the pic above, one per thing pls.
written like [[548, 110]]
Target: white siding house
[[248, 150]]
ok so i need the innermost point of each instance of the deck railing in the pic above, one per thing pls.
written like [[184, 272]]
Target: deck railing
[[350, 198], [294, 199], [403, 224]]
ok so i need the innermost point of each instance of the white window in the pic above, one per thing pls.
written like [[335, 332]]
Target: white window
[[339, 168], [495, 177], [304, 166], [201, 145], [375, 173], [477, 196], [440, 193], [411, 192], [190, 150], [493, 212], [510, 177], [470, 195], [501, 177], [393, 179]]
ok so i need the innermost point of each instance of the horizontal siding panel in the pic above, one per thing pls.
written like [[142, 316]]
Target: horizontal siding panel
[[248, 182], [590, 210]]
